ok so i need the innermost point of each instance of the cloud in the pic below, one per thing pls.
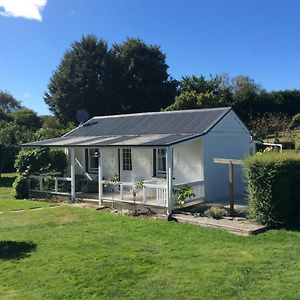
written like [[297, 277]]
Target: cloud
[[28, 9]]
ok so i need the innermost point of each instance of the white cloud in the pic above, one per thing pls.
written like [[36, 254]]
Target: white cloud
[[28, 9]]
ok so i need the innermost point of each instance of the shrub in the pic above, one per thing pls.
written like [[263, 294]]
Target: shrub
[[216, 212], [295, 123], [41, 160], [274, 187], [21, 186]]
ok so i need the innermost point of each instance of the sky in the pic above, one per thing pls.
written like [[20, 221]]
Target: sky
[[258, 38]]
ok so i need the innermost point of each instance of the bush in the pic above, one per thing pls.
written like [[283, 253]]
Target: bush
[[21, 186], [274, 188], [216, 212], [41, 160], [295, 123]]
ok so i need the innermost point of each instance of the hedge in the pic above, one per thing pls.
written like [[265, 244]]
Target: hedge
[[273, 188]]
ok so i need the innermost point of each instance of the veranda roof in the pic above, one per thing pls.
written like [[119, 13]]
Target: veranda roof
[[143, 129]]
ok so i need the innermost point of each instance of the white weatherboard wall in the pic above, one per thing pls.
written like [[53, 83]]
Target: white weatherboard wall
[[109, 162], [228, 139], [141, 163], [188, 162]]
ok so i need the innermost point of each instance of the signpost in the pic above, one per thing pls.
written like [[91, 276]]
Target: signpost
[[230, 163]]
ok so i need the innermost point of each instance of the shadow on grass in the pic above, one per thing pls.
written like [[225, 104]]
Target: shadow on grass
[[15, 250], [7, 181]]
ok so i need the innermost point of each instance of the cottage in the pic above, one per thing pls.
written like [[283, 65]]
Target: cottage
[[109, 155]]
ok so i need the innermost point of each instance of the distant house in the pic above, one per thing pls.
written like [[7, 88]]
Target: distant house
[[109, 154]]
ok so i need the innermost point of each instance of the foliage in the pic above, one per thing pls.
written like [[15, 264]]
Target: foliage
[[295, 123], [139, 185], [47, 132], [8, 103], [41, 160], [26, 118], [269, 125], [183, 193], [274, 187], [215, 212], [21, 186], [129, 77], [142, 80], [248, 99]]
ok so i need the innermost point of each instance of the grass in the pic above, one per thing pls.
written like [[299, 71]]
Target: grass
[[75, 253]]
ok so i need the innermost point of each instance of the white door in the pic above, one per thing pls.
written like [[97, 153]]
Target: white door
[[126, 165]]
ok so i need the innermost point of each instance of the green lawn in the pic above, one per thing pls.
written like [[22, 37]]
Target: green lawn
[[75, 253]]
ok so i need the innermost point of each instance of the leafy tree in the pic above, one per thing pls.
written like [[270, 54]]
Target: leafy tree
[[80, 80], [143, 80], [199, 92], [26, 118], [269, 125], [8, 103], [130, 77]]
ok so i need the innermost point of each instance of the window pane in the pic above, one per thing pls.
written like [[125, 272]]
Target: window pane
[[127, 161]]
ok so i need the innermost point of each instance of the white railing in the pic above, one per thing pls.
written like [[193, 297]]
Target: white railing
[[149, 193], [198, 188], [41, 183]]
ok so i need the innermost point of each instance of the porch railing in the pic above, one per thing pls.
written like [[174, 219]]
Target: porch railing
[[41, 183], [149, 193]]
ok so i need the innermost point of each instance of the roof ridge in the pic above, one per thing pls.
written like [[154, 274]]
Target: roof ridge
[[227, 108]]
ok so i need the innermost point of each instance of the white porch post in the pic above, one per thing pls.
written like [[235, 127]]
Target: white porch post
[[72, 156], [169, 179], [100, 178]]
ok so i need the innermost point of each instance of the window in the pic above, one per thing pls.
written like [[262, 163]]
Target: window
[[127, 161], [93, 159], [161, 162]]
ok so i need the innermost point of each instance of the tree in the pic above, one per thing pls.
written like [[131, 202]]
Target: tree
[[130, 77], [8, 103], [143, 80], [80, 80], [199, 92], [26, 118]]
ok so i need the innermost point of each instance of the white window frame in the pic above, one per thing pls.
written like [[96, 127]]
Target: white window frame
[[90, 168], [163, 156], [126, 159]]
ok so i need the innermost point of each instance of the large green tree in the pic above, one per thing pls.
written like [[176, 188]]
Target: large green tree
[[79, 82], [143, 81], [129, 77]]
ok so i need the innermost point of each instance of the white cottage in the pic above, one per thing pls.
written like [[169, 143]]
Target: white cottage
[[161, 150]]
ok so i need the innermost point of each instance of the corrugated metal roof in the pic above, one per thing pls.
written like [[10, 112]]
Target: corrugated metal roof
[[143, 129], [172, 122]]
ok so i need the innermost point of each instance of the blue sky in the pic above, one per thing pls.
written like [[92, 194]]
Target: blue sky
[[259, 38]]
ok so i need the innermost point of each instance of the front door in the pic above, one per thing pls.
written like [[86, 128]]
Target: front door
[[126, 165]]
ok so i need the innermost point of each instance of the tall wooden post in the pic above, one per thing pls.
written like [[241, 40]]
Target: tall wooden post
[[230, 163], [231, 191], [72, 157], [169, 170], [100, 177]]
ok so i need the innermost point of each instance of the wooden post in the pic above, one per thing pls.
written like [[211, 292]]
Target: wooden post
[[230, 163], [231, 192], [72, 153], [100, 178], [169, 180]]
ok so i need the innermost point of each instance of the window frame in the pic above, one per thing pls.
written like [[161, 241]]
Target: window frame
[[95, 158], [161, 156], [126, 159]]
